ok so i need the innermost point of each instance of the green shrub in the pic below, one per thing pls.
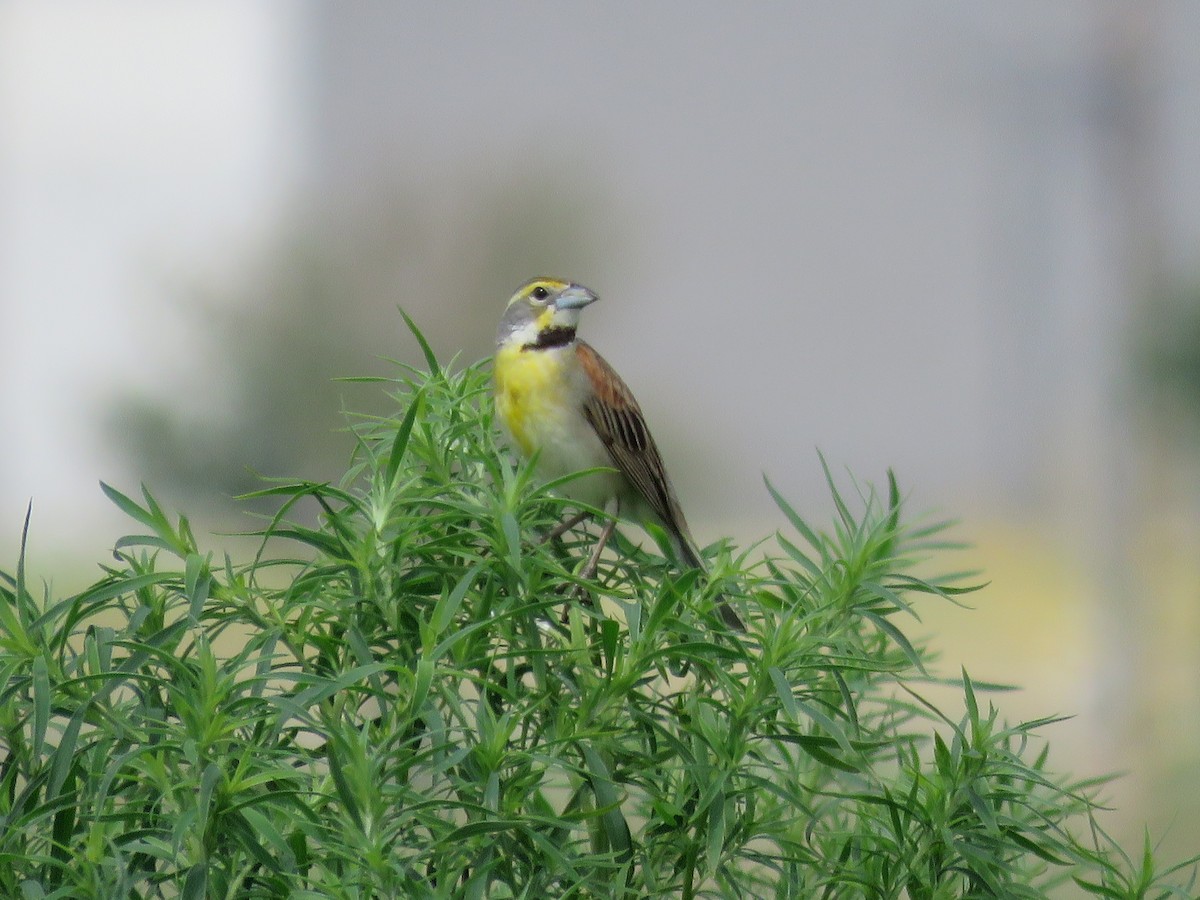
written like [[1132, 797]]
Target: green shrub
[[419, 699]]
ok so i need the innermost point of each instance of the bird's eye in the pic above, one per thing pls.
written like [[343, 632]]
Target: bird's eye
[[539, 293]]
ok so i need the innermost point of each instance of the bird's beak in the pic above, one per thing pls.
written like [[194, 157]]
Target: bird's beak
[[575, 297]]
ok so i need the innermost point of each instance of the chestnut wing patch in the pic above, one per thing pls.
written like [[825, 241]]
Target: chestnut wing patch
[[615, 415]]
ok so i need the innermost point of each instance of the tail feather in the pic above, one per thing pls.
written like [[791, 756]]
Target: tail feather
[[688, 556], [686, 552]]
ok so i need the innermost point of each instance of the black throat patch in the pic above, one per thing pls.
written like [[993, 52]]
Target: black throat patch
[[551, 337]]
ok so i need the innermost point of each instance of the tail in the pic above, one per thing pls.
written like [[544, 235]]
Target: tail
[[689, 557]]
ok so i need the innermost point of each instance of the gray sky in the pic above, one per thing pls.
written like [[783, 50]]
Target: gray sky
[[882, 231], [886, 231]]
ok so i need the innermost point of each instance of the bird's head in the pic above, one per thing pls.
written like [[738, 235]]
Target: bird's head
[[544, 312]]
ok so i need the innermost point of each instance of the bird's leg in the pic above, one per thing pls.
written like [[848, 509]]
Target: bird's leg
[[611, 508], [563, 527], [589, 568]]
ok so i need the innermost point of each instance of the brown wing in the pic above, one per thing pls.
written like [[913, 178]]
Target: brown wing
[[618, 420]]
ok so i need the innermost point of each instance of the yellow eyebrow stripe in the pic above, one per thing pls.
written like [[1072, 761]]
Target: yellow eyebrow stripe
[[553, 285]]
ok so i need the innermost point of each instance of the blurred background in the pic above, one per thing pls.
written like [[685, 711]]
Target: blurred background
[[959, 240]]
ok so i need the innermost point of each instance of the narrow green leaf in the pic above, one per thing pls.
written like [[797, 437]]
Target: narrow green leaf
[[1100, 890], [448, 605], [818, 748], [890, 597], [41, 704], [248, 830], [95, 596], [152, 506], [196, 583], [783, 690], [893, 502], [21, 592], [128, 506], [882, 623], [982, 809], [847, 699], [486, 826], [323, 688], [143, 540], [839, 504], [208, 784], [295, 490], [12, 625], [828, 724], [400, 444], [64, 827], [422, 680], [512, 539], [64, 755], [430, 358], [715, 845], [941, 757], [491, 793], [801, 557], [792, 516], [318, 540], [972, 705], [283, 851], [195, 885], [342, 785], [616, 829], [610, 635], [358, 645]]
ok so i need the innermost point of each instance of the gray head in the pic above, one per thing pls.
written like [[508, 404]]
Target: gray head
[[543, 312]]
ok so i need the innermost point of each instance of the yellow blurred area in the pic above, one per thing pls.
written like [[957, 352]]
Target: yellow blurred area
[[1034, 626], [1027, 626]]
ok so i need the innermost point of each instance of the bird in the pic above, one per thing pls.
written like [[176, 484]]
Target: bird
[[559, 399]]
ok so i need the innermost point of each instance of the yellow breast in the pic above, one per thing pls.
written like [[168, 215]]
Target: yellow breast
[[531, 393]]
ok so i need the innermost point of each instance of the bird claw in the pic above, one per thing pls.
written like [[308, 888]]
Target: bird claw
[[575, 593]]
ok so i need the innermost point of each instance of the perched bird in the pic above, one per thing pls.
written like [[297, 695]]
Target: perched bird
[[557, 397]]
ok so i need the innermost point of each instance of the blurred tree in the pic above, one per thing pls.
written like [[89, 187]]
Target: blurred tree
[[1168, 358], [321, 303]]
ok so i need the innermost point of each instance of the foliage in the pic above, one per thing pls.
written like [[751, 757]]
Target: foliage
[[425, 701]]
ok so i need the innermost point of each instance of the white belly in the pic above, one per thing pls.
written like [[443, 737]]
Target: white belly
[[568, 445], [542, 412]]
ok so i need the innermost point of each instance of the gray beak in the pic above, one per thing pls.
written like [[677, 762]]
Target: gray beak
[[575, 297]]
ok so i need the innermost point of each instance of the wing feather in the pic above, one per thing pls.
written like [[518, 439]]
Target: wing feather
[[618, 421], [615, 415]]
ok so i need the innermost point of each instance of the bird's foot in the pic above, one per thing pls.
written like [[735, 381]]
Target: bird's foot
[[562, 527]]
